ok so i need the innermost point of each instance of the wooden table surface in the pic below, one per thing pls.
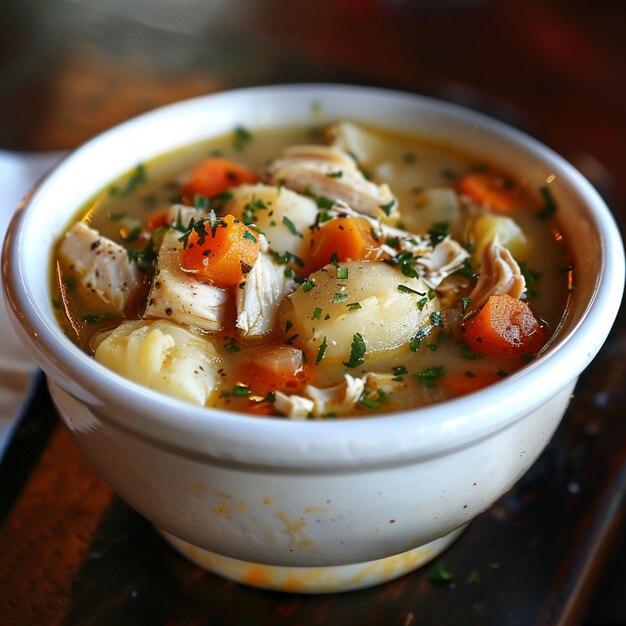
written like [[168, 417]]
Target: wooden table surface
[[71, 552]]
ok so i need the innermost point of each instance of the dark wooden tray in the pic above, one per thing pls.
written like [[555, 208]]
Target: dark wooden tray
[[73, 553]]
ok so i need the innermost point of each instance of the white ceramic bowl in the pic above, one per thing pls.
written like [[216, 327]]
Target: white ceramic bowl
[[310, 506]]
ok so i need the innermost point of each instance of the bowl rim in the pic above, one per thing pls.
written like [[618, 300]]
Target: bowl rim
[[233, 436]]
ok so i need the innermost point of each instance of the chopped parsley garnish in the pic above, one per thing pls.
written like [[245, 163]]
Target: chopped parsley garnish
[[435, 318], [466, 270], [270, 397], [406, 289], [321, 350], [354, 306], [430, 375], [132, 234], [549, 204], [242, 137], [337, 174], [438, 232], [137, 177], [357, 351], [307, 285], [400, 370], [338, 298], [202, 203], [232, 346], [241, 391], [291, 226], [421, 303], [342, 273], [96, 318], [449, 174], [317, 314], [465, 302], [406, 262], [369, 403], [250, 236], [531, 277], [386, 208], [324, 203]]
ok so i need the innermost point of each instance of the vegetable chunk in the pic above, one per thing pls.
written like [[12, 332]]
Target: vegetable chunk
[[504, 327], [216, 175], [223, 254], [344, 239]]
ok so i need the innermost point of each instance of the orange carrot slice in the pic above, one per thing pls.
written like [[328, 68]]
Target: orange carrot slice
[[224, 255], [216, 175], [504, 327], [349, 238], [492, 190]]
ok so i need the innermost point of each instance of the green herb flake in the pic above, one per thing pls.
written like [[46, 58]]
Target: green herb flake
[[317, 314], [421, 303], [320, 351], [531, 277], [132, 234], [465, 302], [386, 208], [406, 289], [435, 318], [241, 391], [242, 137], [354, 306], [201, 203], [400, 370], [368, 403], [324, 203], [338, 298], [430, 375], [96, 318], [549, 204], [357, 351], [337, 174], [291, 226], [342, 273], [232, 346], [437, 232], [441, 574], [250, 236], [270, 397], [307, 285]]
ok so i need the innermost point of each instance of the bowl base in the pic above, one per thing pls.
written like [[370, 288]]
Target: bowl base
[[327, 579]]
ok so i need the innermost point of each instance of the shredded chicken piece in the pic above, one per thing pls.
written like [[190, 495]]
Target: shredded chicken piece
[[499, 274], [183, 214], [444, 259], [340, 398], [330, 172], [101, 265], [177, 295], [259, 296], [293, 406]]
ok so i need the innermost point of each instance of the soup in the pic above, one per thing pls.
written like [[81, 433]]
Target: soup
[[314, 274]]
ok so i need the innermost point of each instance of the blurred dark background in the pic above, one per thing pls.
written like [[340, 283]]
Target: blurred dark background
[[555, 68]]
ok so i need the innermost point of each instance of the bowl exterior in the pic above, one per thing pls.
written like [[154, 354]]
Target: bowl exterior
[[289, 517], [309, 494]]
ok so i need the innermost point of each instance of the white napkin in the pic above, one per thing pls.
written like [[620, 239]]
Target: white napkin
[[18, 172]]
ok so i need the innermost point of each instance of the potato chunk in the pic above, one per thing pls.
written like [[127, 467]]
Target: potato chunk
[[283, 215], [164, 357], [372, 299]]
